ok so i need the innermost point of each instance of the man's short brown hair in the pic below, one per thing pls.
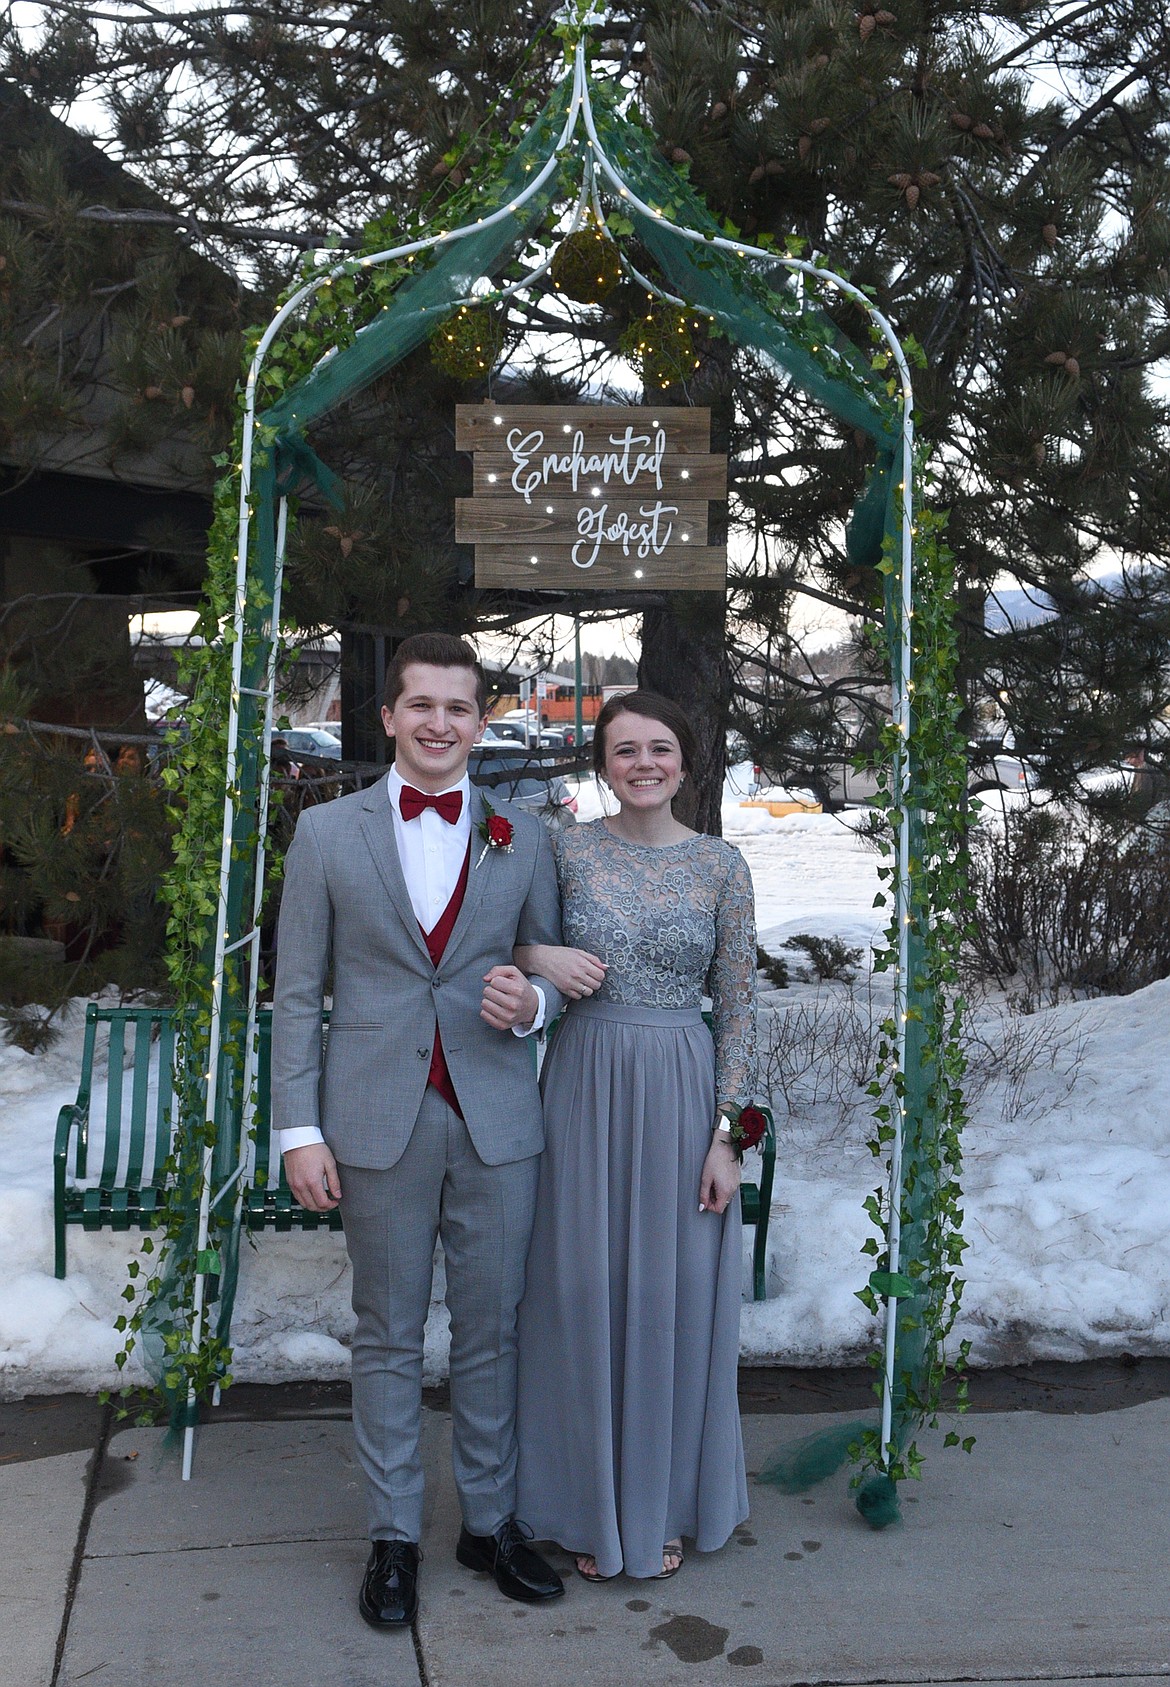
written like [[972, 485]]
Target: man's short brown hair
[[438, 650]]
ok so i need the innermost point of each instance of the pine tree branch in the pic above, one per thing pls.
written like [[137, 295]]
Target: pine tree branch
[[188, 222], [1054, 25], [1140, 72]]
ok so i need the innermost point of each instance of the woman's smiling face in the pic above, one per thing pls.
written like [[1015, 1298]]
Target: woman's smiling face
[[643, 762]]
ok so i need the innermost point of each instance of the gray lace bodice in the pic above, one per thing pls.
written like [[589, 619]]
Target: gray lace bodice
[[671, 923]]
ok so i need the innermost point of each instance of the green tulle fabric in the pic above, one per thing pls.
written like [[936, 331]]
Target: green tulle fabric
[[758, 306]]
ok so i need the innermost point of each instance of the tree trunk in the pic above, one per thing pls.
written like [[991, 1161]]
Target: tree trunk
[[684, 643], [684, 658]]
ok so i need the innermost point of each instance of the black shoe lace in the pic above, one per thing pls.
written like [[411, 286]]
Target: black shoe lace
[[512, 1534], [395, 1556]]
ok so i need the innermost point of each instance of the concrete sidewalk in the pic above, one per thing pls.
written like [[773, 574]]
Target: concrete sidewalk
[[1042, 1556]]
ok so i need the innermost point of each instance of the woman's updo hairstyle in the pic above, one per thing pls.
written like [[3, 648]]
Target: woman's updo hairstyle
[[650, 706]]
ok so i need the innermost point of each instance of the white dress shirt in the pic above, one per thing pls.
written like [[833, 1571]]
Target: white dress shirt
[[431, 852]]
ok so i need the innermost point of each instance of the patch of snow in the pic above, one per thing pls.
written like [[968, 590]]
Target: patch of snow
[[1066, 1187]]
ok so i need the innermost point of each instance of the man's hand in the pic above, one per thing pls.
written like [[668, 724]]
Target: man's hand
[[312, 1176], [508, 999]]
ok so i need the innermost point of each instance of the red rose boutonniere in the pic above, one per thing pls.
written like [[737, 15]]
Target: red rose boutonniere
[[748, 1128], [495, 830]]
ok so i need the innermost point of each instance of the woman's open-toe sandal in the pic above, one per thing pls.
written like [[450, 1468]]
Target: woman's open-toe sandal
[[672, 1561], [594, 1575]]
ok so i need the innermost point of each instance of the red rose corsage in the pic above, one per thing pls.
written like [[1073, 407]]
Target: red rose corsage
[[495, 830], [749, 1126]]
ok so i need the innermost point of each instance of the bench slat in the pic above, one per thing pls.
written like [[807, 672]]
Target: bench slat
[[142, 1045], [161, 1145], [117, 1055], [262, 1119]]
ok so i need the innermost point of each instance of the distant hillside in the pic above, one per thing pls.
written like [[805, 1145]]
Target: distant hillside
[[1015, 607]]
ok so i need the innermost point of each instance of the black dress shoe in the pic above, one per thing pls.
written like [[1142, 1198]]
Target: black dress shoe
[[389, 1596], [520, 1571]]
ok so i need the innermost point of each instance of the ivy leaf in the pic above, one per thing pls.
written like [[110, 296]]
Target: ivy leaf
[[893, 1285]]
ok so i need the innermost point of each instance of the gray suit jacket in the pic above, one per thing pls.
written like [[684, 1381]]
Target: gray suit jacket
[[346, 911]]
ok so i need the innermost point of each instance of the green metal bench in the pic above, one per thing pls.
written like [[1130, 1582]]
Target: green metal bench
[[755, 1200], [130, 1190]]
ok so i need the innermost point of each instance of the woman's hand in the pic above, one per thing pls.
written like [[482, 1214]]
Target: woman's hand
[[575, 972], [720, 1176]]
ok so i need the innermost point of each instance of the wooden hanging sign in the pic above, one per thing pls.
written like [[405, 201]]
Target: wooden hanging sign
[[591, 497]]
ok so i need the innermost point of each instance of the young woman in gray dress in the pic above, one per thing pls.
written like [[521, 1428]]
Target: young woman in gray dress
[[628, 1421]]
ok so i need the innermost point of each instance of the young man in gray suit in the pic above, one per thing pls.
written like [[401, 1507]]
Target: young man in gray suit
[[424, 1118]]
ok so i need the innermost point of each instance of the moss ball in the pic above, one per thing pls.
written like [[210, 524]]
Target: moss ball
[[468, 343], [586, 266], [661, 346]]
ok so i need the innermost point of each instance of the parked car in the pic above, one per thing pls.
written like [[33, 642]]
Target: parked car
[[508, 731], [310, 743], [504, 770]]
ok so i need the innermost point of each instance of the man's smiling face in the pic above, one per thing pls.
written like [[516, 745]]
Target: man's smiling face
[[433, 723]]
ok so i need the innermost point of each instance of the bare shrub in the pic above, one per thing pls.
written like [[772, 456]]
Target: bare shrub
[[821, 1051], [1008, 1050], [818, 1054], [1069, 904]]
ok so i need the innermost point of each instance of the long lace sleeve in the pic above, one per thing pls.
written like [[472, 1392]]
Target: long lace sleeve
[[731, 983]]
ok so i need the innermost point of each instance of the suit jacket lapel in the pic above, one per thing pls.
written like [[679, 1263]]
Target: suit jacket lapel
[[378, 830], [477, 878]]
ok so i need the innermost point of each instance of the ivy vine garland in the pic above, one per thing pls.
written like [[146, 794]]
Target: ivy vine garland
[[662, 345], [926, 1284]]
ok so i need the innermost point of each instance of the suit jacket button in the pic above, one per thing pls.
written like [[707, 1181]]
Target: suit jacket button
[[422, 1053], [435, 982]]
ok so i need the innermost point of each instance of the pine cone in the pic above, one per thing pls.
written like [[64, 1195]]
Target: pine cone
[[927, 178], [757, 175], [961, 120], [718, 110], [1039, 454], [679, 155], [1072, 367], [152, 392], [900, 179], [820, 61], [984, 132], [866, 26], [1060, 357], [188, 396], [1050, 234], [804, 146], [913, 194], [884, 18], [818, 125]]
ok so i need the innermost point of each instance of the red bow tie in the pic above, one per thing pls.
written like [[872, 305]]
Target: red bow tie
[[412, 803]]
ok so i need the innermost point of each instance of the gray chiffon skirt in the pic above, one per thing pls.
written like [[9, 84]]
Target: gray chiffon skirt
[[627, 1415]]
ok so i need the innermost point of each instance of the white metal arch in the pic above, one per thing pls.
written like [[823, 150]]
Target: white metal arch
[[595, 161]]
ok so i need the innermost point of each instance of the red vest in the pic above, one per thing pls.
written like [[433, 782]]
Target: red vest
[[436, 942]]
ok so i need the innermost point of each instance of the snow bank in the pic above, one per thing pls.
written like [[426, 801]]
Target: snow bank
[[1066, 1188]]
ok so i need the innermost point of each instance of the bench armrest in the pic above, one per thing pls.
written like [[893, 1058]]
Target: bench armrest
[[71, 1114]]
